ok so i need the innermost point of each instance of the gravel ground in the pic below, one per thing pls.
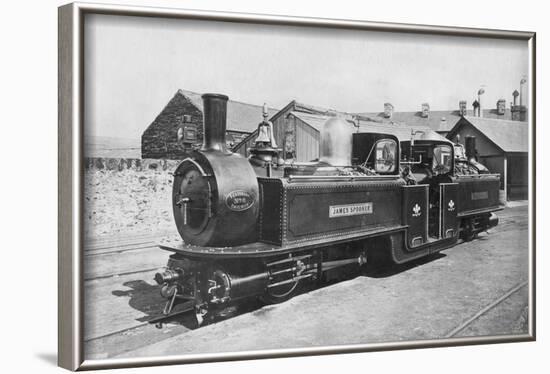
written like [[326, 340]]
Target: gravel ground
[[127, 202]]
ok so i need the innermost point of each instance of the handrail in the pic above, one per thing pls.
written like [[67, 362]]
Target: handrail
[[328, 178]]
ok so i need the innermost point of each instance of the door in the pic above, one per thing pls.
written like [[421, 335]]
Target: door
[[415, 214], [448, 209]]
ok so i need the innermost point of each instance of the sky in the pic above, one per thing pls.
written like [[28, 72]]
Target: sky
[[134, 66]]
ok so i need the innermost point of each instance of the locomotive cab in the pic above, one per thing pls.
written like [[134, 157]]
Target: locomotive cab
[[430, 162], [376, 153], [426, 161]]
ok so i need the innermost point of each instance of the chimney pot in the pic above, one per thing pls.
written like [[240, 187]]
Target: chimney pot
[[462, 107], [388, 110], [501, 107], [480, 92], [522, 91], [475, 104], [425, 110]]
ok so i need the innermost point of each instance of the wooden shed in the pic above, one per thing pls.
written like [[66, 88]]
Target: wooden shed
[[502, 146], [297, 130]]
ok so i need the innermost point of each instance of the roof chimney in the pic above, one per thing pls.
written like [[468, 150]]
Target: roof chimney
[[425, 110], [462, 107], [501, 107], [443, 124], [522, 90], [515, 94], [388, 110], [519, 112], [480, 109], [475, 104]]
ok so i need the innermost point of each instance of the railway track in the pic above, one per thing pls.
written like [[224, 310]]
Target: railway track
[[486, 309]]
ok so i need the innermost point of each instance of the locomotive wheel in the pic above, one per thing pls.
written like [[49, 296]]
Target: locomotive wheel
[[201, 314], [469, 236], [469, 233], [282, 293]]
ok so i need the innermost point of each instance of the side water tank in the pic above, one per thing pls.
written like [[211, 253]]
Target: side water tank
[[336, 142]]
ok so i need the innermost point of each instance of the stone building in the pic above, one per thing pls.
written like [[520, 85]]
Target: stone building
[[178, 127]]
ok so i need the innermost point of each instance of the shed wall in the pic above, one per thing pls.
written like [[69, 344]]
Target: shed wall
[[484, 146], [515, 177], [308, 140], [518, 174]]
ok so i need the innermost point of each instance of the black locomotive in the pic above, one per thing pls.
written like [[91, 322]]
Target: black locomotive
[[260, 227]]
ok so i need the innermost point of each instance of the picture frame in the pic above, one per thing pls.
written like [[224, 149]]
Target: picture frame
[[72, 18]]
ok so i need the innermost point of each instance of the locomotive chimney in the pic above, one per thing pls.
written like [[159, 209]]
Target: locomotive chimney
[[215, 116], [470, 147]]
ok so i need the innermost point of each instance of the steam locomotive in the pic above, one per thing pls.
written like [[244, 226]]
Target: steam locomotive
[[259, 227]]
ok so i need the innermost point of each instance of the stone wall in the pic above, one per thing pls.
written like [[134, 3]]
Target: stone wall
[[137, 164], [160, 140]]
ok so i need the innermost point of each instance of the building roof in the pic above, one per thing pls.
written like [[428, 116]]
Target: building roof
[[316, 121], [437, 120], [401, 131], [509, 136], [440, 120], [240, 116]]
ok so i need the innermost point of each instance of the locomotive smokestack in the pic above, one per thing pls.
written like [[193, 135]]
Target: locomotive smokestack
[[215, 122]]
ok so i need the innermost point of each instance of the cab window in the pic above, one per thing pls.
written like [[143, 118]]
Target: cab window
[[442, 159], [386, 154]]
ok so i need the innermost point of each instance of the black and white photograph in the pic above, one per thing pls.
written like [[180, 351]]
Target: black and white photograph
[[253, 188]]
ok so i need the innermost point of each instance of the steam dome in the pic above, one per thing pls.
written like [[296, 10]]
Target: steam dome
[[336, 142]]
